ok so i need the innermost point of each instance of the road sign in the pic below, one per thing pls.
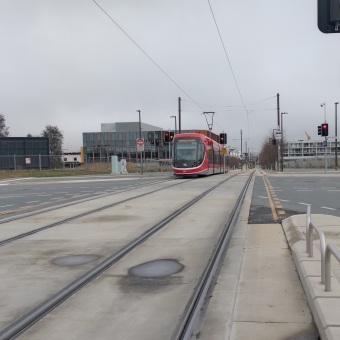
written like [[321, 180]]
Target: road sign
[[211, 152], [140, 144], [325, 144], [224, 151], [277, 134]]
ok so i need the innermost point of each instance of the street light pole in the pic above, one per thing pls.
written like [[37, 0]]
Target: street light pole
[[336, 136], [140, 136], [282, 113], [175, 124]]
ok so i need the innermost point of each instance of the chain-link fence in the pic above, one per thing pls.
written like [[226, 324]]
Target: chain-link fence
[[313, 162], [56, 162]]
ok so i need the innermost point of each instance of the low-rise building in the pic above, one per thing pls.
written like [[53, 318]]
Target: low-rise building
[[119, 139]]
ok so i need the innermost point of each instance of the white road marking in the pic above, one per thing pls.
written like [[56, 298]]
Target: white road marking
[[300, 188], [262, 196], [303, 203], [325, 179], [32, 202], [289, 180], [83, 187], [11, 196], [57, 198], [328, 208], [328, 187], [3, 206], [276, 187], [304, 190], [45, 195], [99, 187], [284, 200], [61, 192]]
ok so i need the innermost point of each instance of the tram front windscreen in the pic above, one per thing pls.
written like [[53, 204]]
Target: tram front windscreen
[[188, 149]]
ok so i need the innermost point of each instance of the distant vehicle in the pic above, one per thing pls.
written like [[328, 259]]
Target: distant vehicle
[[196, 154]]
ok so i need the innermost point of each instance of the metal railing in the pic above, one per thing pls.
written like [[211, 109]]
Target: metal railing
[[326, 251]]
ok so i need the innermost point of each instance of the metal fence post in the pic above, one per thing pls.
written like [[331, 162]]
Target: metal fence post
[[15, 163], [39, 161], [307, 226]]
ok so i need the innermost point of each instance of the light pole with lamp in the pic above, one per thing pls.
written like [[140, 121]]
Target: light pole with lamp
[[336, 136], [175, 124], [140, 136], [282, 113]]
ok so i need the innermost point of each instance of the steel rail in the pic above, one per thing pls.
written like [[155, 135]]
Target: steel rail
[[34, 231], [34, 315], [199, 297], [40, 211]]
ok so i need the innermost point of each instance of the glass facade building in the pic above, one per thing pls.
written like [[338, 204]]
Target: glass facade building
[[99, 146]]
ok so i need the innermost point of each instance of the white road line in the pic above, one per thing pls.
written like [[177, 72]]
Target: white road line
[[262, 196], [304, 190], [99, 187], [11, 196], [45, 195], [289, 180], [325, 179], [276, 187], [32, 202], [303, 203], [328, 187], [275, 190], [328, 208], [57, 198], [300, 188], [83, 187], [61, 192], [284, 200], [3, 206]]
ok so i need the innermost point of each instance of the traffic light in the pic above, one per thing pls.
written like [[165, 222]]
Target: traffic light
[[274, 141], [324, 129], [319, 130], [223, 138], [166, 137], [329, 16], [171, 136]]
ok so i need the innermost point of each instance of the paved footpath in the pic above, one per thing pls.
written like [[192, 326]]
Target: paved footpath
[[258, 294]]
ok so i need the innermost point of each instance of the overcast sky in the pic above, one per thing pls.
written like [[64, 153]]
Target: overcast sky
[[65, 63]]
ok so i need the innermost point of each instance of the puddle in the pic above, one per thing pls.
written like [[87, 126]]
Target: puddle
[[157, 268], [152, 277], [75, 260]]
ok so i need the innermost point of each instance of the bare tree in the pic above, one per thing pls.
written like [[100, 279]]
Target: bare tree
[[3, 128], [268, 154]]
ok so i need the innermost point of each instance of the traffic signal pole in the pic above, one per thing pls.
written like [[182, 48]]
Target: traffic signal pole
[[336, 136]]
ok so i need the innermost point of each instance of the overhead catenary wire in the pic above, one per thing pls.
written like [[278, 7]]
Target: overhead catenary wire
[[226, 54], [146, 54]]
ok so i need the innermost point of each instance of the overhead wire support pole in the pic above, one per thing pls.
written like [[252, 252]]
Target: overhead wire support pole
[[179, 115], [336, 136], [278, 126]]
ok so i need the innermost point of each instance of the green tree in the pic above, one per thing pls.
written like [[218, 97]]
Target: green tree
[[55, 137], [3, 128]]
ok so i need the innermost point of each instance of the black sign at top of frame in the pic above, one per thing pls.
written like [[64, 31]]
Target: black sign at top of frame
[[329, 16]]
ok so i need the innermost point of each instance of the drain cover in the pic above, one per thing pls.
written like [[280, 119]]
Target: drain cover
[[157, 268], [74, 260]]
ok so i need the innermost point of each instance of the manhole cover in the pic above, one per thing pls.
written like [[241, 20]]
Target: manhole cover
[[157, 268], [75, 260]]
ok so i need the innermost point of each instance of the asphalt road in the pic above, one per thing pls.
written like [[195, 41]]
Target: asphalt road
[[290, 194], [30, 194]]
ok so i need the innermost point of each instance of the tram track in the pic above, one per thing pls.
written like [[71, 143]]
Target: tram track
[[34, 315], [37, 230], [210, 273]]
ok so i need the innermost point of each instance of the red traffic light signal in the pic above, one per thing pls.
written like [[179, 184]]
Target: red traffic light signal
[[324, 129], [166, 137]]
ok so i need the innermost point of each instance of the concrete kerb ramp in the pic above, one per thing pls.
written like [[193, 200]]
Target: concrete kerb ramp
[[325, 306]]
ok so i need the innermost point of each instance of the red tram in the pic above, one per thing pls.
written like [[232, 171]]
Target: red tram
[[196, 154]]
